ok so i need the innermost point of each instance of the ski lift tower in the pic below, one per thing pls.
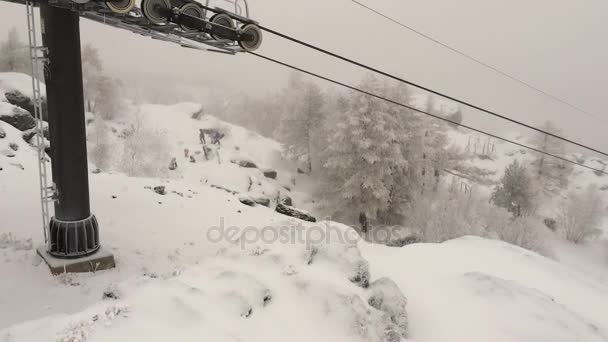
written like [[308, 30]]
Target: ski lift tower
[[73, 243], [72, 234]]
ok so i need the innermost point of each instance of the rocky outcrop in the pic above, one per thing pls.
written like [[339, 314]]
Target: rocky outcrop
[[268, 173], [295, 213], [246, 163], [387, 297], [160, 190], [17, 98], [17, 117]]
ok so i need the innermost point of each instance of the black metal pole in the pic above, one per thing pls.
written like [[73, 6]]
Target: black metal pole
[[73, 229]]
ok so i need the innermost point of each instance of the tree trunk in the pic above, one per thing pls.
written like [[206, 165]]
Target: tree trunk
[[364, 223]]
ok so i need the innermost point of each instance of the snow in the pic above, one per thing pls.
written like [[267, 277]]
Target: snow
[[473, 289], [273, 278], [17, 81]]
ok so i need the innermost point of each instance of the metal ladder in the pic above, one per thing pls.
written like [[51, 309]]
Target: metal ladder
[[47, 193]]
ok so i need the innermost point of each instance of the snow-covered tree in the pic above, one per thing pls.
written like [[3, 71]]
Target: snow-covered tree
[[362, 158], [515, 191], [302, 115], [581, 214], [101, 92], [551, 173], [14, 54], [145, 150], [107, 97], [92, 69], [456, 118]]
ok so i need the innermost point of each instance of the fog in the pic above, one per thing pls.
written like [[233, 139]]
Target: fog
[[559, 48]]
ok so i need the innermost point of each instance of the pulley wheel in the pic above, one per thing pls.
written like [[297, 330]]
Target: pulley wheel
[[255, 40], [193, 10], [153, 10], [224, 20], [121, 6]]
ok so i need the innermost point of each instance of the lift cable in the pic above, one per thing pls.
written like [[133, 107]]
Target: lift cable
[[325, 78], [478, 61], [468, 104]]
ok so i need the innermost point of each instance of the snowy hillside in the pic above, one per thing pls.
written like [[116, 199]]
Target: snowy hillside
[[272, 277]]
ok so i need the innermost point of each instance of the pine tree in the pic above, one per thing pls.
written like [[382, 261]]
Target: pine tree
[[580, 216], [301, 119], [14, 54], [515, 191], [551, 173], [363, 157], [92, 69]]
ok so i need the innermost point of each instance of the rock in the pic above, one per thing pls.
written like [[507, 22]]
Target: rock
[[19, 118], [550, 223], [388, 298], [160, 190], [2, 133], [302, 172], [246, 163], [19, 166], [7, 153], [361, 274], [16, 98], [404, 241], [287, 200], [295, 213], [13, 146], [28, 135], [272, 174], [173, 164], [96, 171], [262, 201], [111, 292], [192, 160], [246, 200]]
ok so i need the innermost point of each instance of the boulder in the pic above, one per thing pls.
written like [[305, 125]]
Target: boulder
[[550, 223], [17, 98], [404, 241], [246, 200], [246, 163], [28, 135], [272, 174], [18, 118], [173, 164], [160, 190], [295, 213], [287, 200], [386, 296]]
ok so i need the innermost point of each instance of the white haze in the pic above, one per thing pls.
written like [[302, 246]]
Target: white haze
[[560, 47]]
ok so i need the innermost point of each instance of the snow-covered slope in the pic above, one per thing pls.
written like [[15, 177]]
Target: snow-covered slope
[[175, 276], [473, 289], [178, 279]]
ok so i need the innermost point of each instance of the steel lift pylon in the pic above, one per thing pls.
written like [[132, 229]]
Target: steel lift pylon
[[71, 235]]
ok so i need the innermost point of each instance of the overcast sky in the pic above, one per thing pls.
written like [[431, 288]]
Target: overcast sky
[[559, 46]]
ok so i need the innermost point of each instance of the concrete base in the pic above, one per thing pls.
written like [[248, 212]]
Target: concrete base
[[102, 260]]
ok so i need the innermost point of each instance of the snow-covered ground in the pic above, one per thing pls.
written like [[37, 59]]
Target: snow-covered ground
[[176, 280]]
